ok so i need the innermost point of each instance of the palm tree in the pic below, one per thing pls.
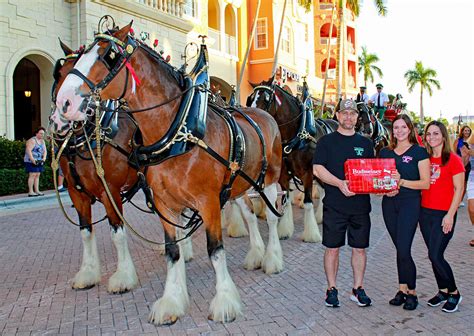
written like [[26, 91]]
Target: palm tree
[[354, 6], [367, 65], [426, 78]]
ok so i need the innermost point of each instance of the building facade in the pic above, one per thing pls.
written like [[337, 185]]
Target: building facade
[[29, 45]]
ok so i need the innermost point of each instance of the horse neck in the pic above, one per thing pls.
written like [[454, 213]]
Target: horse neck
[[286, 116], [156, 86]]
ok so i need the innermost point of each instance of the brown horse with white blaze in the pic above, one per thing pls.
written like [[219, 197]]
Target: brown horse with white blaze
[[85, 187], [193, 179]]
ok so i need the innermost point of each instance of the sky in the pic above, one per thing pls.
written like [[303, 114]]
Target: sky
[[438, 33]]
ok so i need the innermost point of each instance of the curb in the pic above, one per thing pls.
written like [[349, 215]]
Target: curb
[[24, 202]]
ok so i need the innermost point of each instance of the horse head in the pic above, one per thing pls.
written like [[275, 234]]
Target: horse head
[[96, 72], [58, 125], [365, 120], [262, 95]]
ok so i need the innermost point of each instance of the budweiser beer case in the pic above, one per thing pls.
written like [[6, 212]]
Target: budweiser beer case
[[370, 176]]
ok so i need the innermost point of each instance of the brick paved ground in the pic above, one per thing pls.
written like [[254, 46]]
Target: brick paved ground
[[40, 253]]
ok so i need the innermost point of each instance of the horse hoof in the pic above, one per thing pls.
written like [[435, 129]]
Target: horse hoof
[[209, 317], [83, 288], [120, 291], [172, 320], [285, 238]]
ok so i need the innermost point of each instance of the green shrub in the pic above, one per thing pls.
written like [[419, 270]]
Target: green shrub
[[11, 153], [13, 177], [15, 181]]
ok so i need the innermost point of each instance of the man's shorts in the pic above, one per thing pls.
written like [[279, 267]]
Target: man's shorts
[[336, 225], [470, 186]]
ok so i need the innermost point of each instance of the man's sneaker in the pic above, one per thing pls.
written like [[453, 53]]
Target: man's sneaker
[[331, 298], [411, 303], [359, 297], [62, 189], [452, 303], [399, 299], [438, 299]]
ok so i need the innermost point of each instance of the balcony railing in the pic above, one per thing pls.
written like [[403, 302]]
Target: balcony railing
[[215, 35], [324, 41], [170, 7], [325, 6], [230, 45]]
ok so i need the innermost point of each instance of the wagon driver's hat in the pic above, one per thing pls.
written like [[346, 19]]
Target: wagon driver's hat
[[379, 86]]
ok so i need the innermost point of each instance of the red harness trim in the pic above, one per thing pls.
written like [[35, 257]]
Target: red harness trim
[[132, 71]]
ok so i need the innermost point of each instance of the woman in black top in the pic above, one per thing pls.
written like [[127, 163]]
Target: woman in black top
[[401, 208]]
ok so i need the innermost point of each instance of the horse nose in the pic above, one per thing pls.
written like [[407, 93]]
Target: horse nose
[[67, 104]]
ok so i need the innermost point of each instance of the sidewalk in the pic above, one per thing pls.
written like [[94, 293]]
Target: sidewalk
[[13, 204]]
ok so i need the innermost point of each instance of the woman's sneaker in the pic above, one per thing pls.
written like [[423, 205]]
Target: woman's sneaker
[[399, 299], [411, 302], [438, 299], [359, 297], [331, 298], [452, 303]]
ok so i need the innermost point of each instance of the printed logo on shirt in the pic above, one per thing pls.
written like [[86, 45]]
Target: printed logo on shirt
[[406, 158], [435, 172], [359, 151]]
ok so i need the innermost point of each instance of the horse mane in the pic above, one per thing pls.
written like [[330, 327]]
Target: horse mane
[[289, 96], [171, 70]]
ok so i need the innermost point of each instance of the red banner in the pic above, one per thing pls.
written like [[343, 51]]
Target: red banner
[[370, 176]]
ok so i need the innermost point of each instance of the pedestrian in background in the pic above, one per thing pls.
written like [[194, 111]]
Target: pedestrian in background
[[35, 156], [401, 208], [461, 147], [439, 205], [380, 101], [344, 212]]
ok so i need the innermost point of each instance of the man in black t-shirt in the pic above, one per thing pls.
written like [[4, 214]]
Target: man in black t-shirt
[[344, 212]]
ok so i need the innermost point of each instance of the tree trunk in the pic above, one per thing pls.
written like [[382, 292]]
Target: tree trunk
[[328, 58], [275, 62], [249, 45], [422, 115], [340, 46]]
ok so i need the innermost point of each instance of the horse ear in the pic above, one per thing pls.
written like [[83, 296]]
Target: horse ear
[[253, 85], [122, 33], [65, 48]]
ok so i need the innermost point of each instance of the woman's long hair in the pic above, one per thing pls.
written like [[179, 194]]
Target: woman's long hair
[[411, 136], [447, 150], [461, 132]]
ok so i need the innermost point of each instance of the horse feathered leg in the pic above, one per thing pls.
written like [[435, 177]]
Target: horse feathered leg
[[226, 304], [273, 258], [235, 222], [125, 277], [254, 257], [286, 225], [175, 299], [89, 273], [311, 232]]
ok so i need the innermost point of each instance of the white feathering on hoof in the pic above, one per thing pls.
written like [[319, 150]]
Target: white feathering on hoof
[[311, 232], [286, 225], [226, 305], [89, 273], [273, 258], [125, 277], [235, 223], [174, 302]]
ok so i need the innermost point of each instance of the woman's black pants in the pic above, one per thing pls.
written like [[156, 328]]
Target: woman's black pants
[[401, 219], [437, 241]]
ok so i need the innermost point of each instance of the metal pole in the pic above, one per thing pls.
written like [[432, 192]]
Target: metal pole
[[275, 62], [328, 46], [244, 62]]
